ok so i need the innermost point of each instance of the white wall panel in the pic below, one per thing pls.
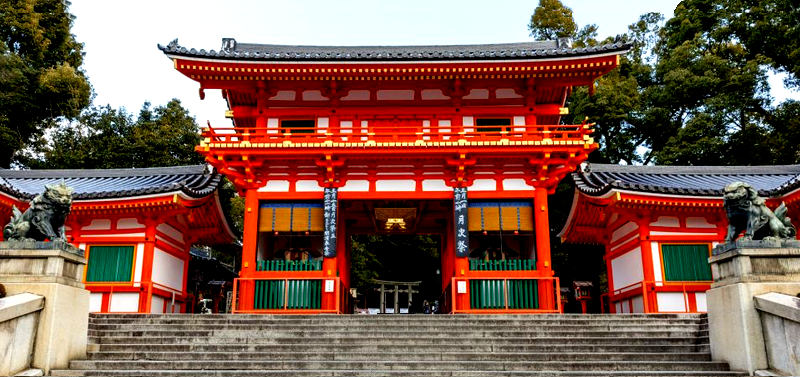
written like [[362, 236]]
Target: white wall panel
[[638, 304], [669, 221], [627, 269], [129, 224], [656, 258], [308, 186], [275, 186], [699, 222], [671, 302], [157, 305], [516, 184], [396, 185], [167, 270], [124, 302], [435, 185], [170, 231], [95, 302], [484, 185], [623, 231], [355, 185], [702, 304]]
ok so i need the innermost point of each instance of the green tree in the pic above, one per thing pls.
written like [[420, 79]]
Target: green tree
[[106, 138], [40, 77], [552, 20]]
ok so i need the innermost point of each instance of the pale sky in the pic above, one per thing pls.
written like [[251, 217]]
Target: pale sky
[[125, 67]]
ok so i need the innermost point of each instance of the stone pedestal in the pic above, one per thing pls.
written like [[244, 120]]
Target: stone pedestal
[[55, 271], [741, 271]]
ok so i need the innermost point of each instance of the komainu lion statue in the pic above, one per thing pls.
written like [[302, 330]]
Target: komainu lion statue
[[747, 212], [45, 217]]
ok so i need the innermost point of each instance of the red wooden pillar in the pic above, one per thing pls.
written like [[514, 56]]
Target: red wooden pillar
[[543, 264], [146, 292], [647, 261], [249, 246]]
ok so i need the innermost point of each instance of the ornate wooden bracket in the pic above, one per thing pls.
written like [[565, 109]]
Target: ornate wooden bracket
[[330, 165], [460, 163]]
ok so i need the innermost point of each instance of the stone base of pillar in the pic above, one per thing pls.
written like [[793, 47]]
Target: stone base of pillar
[[55, 271], [742, 271]]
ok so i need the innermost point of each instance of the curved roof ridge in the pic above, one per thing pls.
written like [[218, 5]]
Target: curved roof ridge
[[769, 180], [194, 180], [275, 52]]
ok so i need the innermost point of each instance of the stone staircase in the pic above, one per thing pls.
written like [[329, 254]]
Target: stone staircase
[[397, 345]]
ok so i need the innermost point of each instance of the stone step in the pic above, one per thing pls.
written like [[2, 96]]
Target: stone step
[[394, 327], [388, 373], [412, 333], [532, 348], [380, 321], [402, 365], [394, 355], [377, 339]]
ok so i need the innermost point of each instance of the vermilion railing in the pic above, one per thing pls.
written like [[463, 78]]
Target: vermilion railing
[[649, 292], [421, 134], [149, 289], [504, 295], [297, 295]]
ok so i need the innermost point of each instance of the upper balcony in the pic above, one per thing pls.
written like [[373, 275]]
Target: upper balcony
[[394, 138]]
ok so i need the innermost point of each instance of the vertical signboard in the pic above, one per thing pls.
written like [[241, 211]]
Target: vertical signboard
[[329, 238], [460, 213]]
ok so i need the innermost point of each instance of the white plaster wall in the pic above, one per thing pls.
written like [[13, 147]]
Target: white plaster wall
[[467, 123], [308, 186], [638, 304], [620, 308], [669, 221], [623, 231], [700, 299], [627, 269], [478, 94], [656, 258], [484, 185], [124, 302], [95, 302], [129, 224], [699, 222], [322, 125], [435, 185], [167, 270], [356, 95], [284, 95], [137, 271], [98, 224], [519, 121], [313, 95], [671, 302], [395, 95], [396, 185], [275, 186], [504, 93], [355, 185], [170, 231], [433, 94], [157, 305], [516, 184]]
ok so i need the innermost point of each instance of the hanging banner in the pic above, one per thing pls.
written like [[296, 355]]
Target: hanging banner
[[329, 237], [461, 221]]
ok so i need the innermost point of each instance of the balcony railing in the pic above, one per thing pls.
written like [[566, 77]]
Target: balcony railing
[[508, 295], [406, 135]]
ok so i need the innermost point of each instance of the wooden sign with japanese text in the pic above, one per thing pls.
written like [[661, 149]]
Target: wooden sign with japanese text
[[331, 205], [460, 217]]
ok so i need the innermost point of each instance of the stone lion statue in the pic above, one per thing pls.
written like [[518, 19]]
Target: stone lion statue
[[45, 217], [748, 212]]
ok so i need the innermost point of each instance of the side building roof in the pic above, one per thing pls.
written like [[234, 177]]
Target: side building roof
[[602, 186], [193, 181], [705, 181], [232, 50], [114, 186]]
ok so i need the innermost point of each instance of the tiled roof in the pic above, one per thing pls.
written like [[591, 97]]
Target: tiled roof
[[194, 181], [598, 179], [231, 50]]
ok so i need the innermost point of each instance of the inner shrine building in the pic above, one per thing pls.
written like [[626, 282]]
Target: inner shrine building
[[464, 142]]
